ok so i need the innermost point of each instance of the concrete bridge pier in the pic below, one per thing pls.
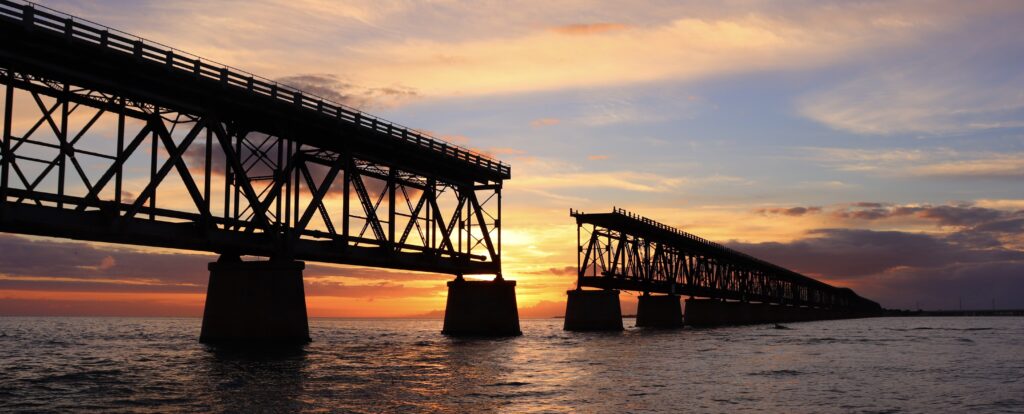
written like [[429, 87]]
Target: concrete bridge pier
[[481, 308], [257, 302], [659, 311], [593, 310]]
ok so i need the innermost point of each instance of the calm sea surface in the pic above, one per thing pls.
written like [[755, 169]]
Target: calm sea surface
[[926, 365]]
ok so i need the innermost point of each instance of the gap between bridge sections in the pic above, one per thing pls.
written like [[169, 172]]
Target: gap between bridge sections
[[624, 251]]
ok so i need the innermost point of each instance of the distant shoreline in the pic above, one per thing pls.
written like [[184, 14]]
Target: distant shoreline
[[992, 312]]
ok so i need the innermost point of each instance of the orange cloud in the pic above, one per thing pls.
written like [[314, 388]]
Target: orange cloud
[[588, 28], [597, 157]]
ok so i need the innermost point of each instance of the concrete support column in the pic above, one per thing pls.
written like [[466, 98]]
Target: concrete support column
[[593, 310], [255, 302], [481, 308], [659, 312]]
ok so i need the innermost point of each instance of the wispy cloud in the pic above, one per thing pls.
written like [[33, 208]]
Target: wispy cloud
[[919, 100], [939, 162], [543, 122], [618, 180], [991, 165], [958, 84], [332, 87], [460, 48]]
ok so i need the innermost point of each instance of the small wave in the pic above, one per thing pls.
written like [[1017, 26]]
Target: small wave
[[1008, 403], [778, 373], [80, 376], [508, 384], [928, 328]]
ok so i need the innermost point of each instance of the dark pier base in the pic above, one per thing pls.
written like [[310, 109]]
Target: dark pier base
[[481, 308], [255, 303], [593, 310], [711, 312], [659, 312]]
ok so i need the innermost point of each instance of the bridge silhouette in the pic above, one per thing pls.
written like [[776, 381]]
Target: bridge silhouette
[[624, 251], [113, 138]]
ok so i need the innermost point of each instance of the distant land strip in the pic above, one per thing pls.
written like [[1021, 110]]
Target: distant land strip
[[991, 312]]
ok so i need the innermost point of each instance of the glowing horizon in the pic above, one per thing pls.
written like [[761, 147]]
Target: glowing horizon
[[877, 146]]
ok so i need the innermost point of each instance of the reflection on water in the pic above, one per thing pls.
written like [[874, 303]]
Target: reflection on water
[[251, 380], [911, 364]]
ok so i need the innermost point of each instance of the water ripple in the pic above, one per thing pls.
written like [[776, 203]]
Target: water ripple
[[869, 365]]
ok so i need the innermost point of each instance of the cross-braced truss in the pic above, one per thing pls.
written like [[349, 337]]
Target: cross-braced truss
[[157, 159], [621, 250]]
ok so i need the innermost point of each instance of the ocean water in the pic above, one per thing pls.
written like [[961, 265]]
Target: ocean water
[[924, 365]]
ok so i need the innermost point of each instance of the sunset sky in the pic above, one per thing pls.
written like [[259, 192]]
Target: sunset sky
[[874, 145]]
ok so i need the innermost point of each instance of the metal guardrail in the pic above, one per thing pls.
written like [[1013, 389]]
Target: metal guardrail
[[37, 16]]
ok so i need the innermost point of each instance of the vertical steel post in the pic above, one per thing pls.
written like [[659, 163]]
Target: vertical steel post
[[239, 175], [120, 152], [152, 167], [347, 190], [5, 155], [278, 175], [288, 188], [63, 139], [461, 206], [497, 223], [296, 186], [391, 208], [431, 193], [208, 170], [229, 170], [579, 252]]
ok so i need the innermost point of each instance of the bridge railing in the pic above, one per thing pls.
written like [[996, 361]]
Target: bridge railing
[[36, 16]]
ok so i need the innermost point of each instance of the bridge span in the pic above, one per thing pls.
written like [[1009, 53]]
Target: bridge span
[[624, 251], [113, 138]]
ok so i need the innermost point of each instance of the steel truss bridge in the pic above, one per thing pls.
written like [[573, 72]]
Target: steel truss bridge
[[622, 250], [113, 138]]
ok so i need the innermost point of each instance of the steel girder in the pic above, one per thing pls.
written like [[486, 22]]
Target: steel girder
[[621, 250], [92, 164]]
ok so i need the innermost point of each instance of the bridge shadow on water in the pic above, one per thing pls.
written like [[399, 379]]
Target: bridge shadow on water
[[253, 378]]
